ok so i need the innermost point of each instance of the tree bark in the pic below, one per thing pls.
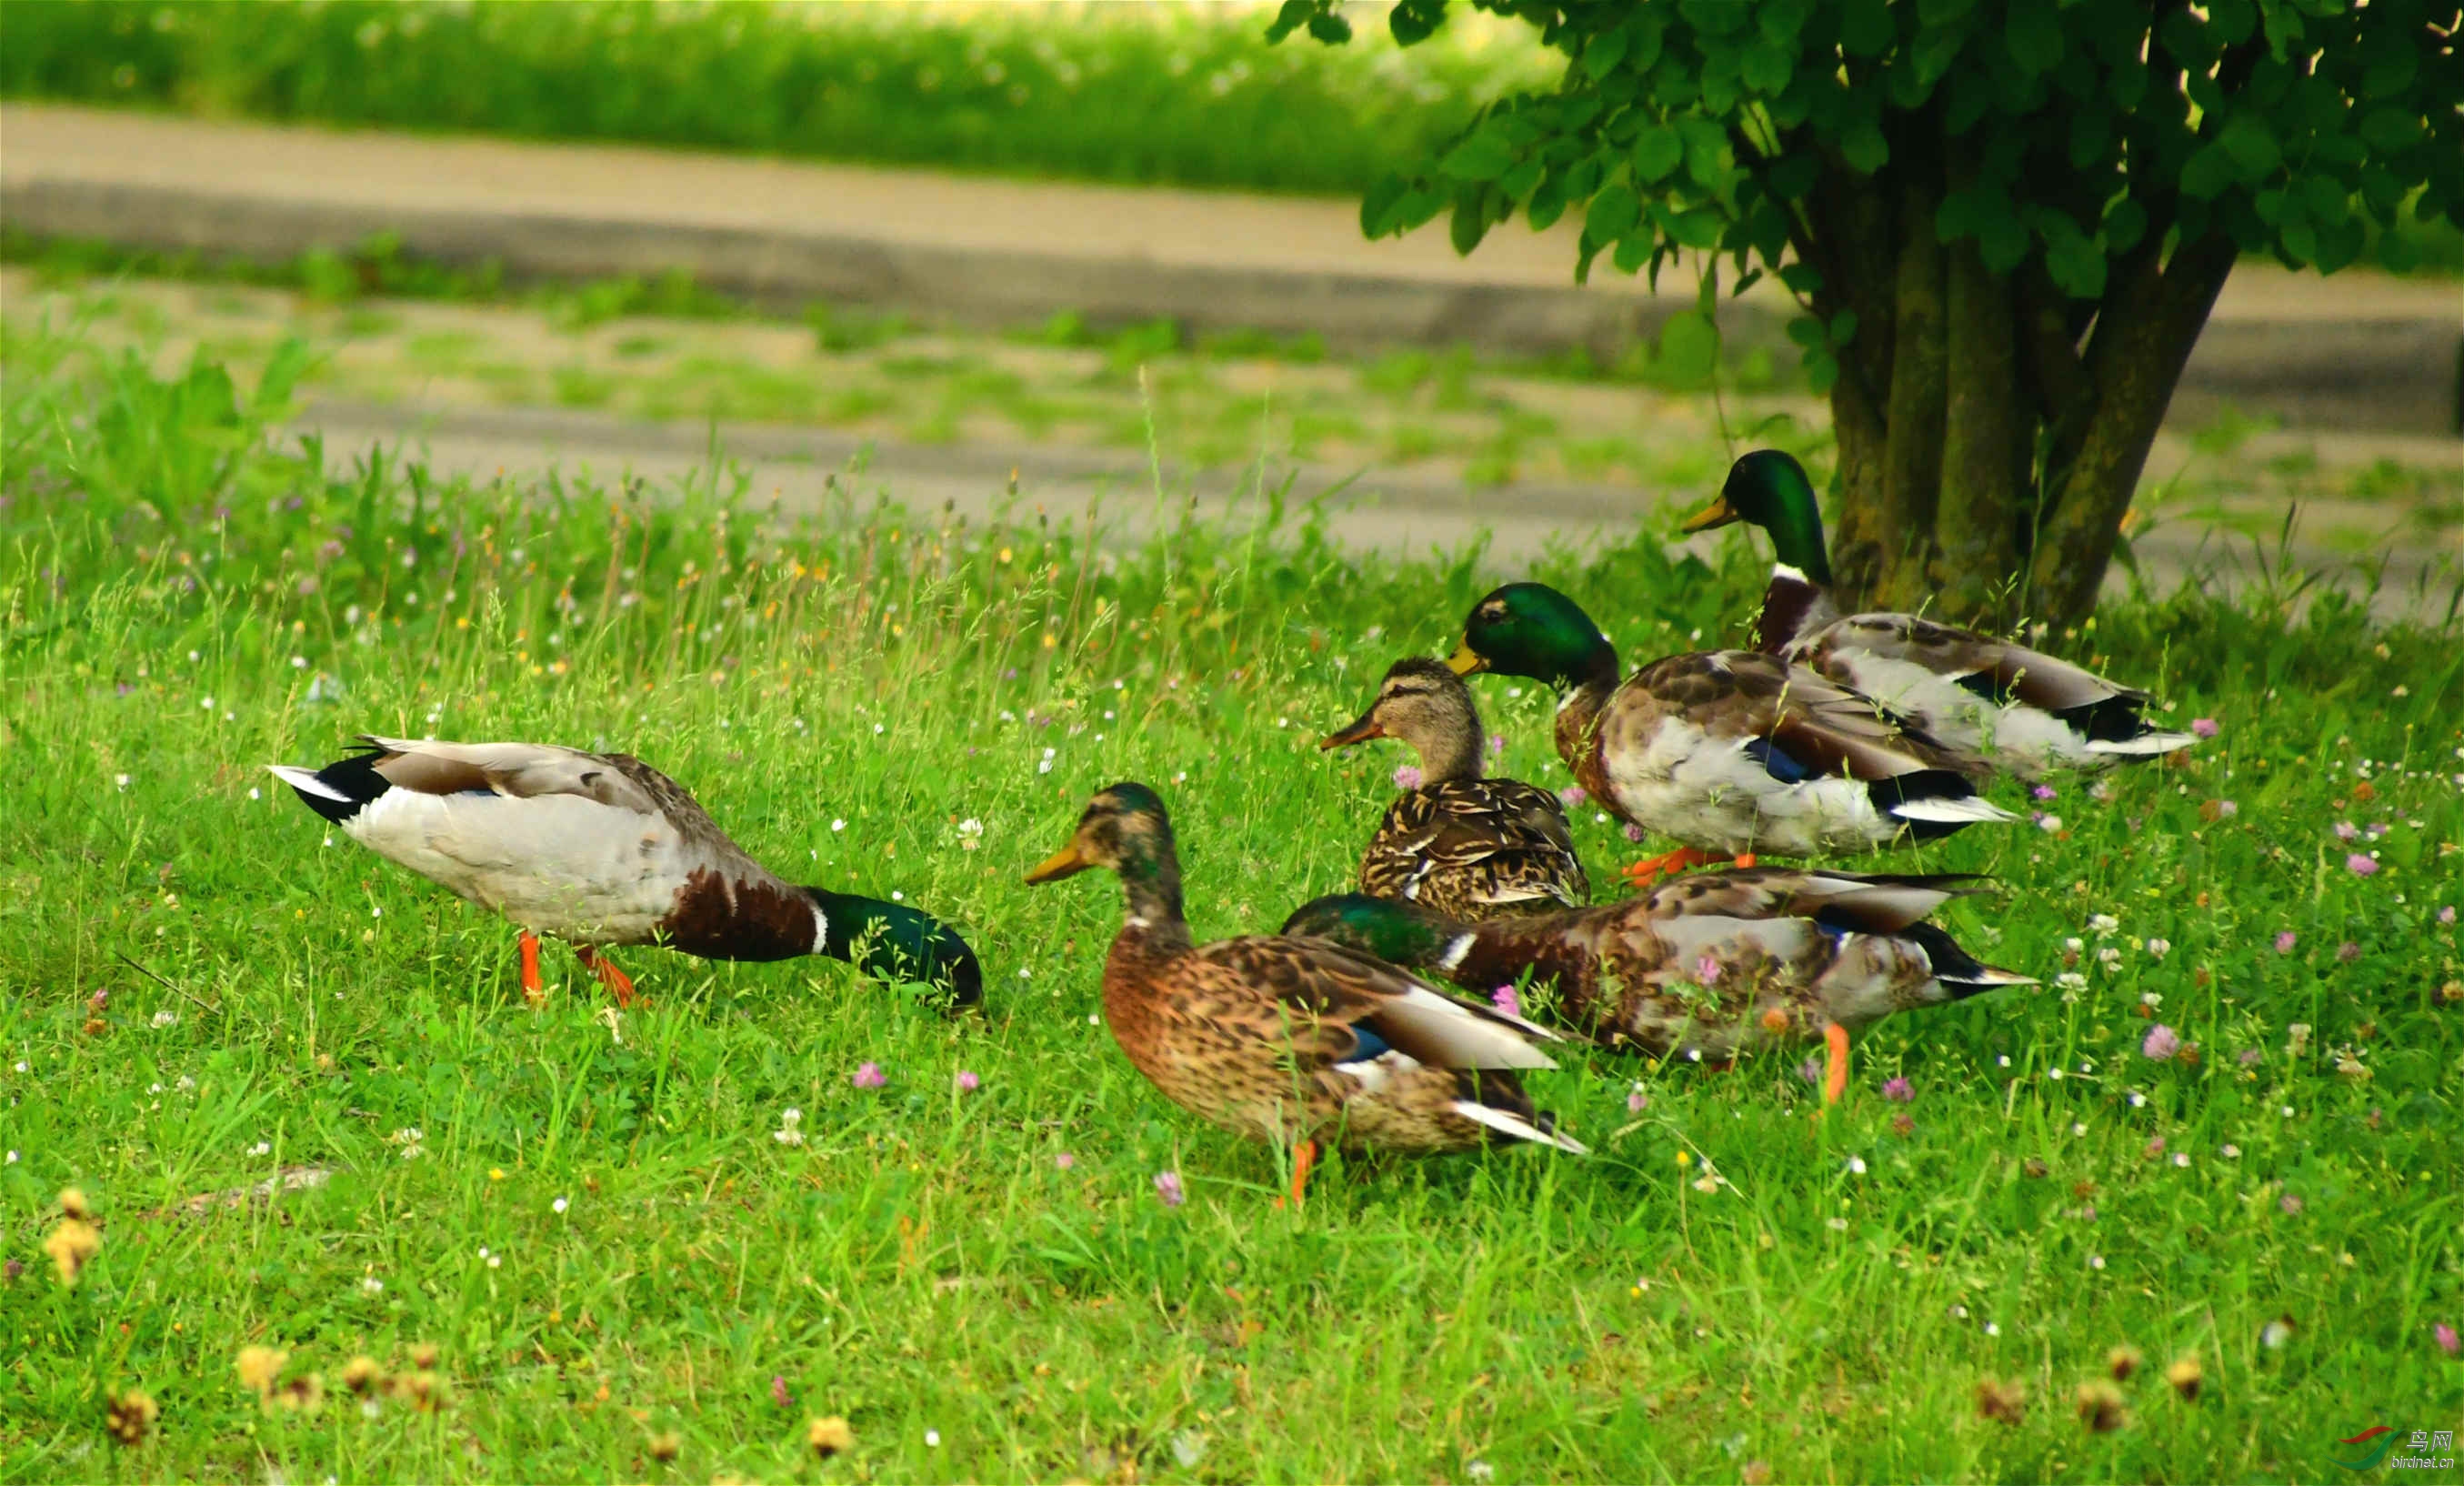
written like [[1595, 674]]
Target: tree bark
[[1985, 442], [1854, 228], [2134, 358], [1920, 384]]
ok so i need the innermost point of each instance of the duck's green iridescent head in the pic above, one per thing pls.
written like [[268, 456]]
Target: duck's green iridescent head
[[1398, 932], [1531, 629], [1770, 488], [892, 941]]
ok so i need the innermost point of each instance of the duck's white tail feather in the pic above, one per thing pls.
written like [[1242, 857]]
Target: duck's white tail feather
[[2144, 743], [307, 781], [1507, 1123], [1972, 808], [1987, 975]]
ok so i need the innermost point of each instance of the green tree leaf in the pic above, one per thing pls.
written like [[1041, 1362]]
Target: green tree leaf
[[2248, 143], [1656, 152], [1614, 212], [2387, 130], [1483, 156]]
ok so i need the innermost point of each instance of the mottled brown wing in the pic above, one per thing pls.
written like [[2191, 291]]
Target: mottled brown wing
[[1466, 821], [1875, 903], [523, 770], [2005, 671], [1734, 695], [1321, 992]]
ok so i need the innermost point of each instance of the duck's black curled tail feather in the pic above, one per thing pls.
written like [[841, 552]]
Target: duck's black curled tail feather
[[341, 789]]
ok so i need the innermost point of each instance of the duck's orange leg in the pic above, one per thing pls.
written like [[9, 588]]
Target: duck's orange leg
[[614, 979], [1304, 1161], [1834, 1074], [532, 987], [1667, 864]]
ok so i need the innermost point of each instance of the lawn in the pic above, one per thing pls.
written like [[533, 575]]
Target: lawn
[[594, 1222]]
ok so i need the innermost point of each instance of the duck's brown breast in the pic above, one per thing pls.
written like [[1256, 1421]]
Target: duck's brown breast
[[720, 916]]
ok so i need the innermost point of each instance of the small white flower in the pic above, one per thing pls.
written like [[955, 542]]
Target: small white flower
[[2103, 924], [376, 910], [2074, 943], [878, 729], [2181, 1158], [2138, 1100], [260, 1148], [2148, 998], [372, 1285], [1481, 1471], [252, 793], [1857, 1166], [2159, 948], [2049, 823], [1992, 1328], [122, 780], [1023, 972], [2078, 1127], [559, 1206], [1094, 1019], [838, 825], [897, 896], [932, 1439], [2096, 1261], [495, 1261], [2003, 1062], [298, 662], [12, 1158], [167, 1018], [2231, 1153]]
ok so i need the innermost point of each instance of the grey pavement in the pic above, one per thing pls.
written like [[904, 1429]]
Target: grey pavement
[[2355, 350], [835, 477]]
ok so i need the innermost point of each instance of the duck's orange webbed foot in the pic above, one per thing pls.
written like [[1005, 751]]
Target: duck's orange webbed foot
[[1651, 869], [1304, 1161], [534, 990], [1835, 1073], [614, 979]]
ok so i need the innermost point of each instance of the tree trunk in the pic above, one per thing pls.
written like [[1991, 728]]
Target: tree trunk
[[1984, 441], [2135, 359], [1920, 384]]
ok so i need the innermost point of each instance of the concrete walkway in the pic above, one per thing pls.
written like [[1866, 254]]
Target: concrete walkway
[[1121, 497], [2355, 350]]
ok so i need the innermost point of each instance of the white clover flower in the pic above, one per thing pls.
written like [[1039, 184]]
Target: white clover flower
[[2103, 924], [559, 1206], [167, 1018], [372, 1285]]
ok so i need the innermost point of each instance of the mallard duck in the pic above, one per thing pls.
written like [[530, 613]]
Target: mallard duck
[[1709, 965], [2032, 713], [599, 849], [1288, 1040], [1731, 752], [1457, 842]]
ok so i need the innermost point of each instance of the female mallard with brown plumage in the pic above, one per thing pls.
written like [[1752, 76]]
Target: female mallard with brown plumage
[[599, 849], [1457, 842], [1286, 1040], [1707, 967], [1728, 752], [2029, 713]]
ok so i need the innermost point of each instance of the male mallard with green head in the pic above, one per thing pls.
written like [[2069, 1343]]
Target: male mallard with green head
[[2029, 713], [1457, 842], [1707, 967], [1728, 752], [1293, 1041], [599, 849]]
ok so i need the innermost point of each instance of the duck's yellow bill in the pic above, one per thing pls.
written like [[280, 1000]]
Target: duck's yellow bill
[[1716, 514], [1062, 863], [1466, 661]]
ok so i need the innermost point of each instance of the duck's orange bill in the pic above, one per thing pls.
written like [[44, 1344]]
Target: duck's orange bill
[[1716, 514], [1062, 863], [1360, 730], [1466, 661]]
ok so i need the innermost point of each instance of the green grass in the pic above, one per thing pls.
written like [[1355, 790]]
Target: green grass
[[1172, 95], [186, 602]]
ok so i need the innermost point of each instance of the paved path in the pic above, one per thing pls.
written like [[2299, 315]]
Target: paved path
[[817, 471], [2361, 349]]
